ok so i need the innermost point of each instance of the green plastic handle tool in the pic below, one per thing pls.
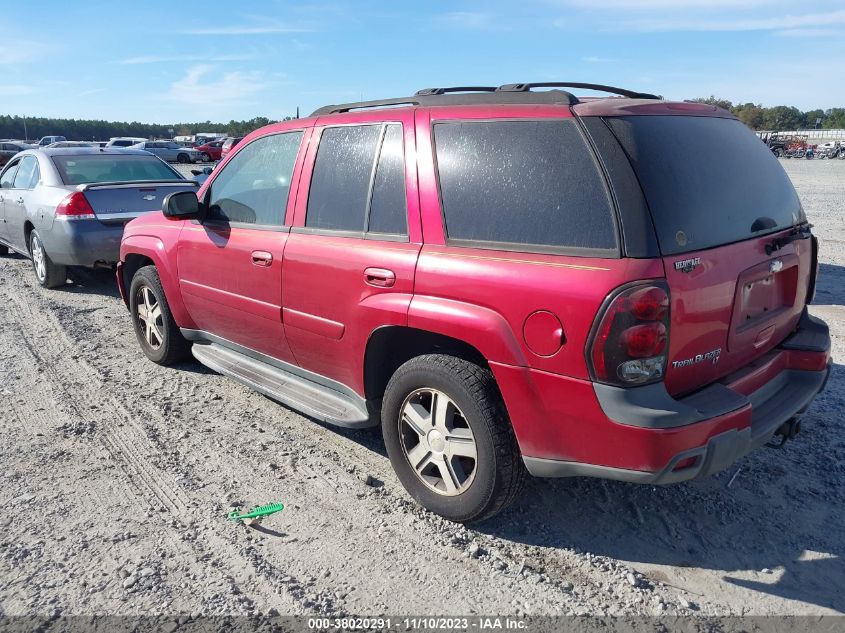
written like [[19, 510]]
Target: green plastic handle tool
[[260, 511]]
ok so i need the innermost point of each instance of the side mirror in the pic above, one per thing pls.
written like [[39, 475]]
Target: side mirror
[[182, 205]]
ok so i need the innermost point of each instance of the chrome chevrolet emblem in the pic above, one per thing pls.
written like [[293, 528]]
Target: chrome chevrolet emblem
[[776, 266], [149, 197]]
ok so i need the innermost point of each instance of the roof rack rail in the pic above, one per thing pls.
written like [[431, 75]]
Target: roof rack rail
[[425, 92], [359, 105], [526, 87], [478, 95]]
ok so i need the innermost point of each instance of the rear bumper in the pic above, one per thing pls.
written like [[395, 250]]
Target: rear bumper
[[83, 242], [644, 435]]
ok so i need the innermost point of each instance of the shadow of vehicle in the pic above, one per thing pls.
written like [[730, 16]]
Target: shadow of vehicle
[[829, 285], [778, 510], [99, 281]]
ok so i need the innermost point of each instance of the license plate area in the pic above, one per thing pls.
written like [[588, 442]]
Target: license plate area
[[764, 304]]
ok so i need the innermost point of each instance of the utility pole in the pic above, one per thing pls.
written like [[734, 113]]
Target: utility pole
[[25, 134]]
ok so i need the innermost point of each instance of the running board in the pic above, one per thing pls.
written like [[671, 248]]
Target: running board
[[312, 399]]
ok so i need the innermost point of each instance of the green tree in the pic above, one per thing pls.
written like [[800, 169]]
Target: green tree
[[715, 101]]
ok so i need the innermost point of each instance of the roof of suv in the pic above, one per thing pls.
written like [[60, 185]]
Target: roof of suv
[[623, 101]]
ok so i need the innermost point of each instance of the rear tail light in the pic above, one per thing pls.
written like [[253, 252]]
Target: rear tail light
[[75, 207], [631, 335]]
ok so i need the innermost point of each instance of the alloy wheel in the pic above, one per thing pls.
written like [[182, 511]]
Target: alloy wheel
[[39, 258], [437, 441], [149, 316]]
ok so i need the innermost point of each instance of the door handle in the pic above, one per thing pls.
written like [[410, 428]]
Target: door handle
[[19, 200], [262, 258], [379, 277]]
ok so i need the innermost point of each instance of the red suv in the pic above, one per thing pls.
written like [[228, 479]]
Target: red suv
[[508, 280]]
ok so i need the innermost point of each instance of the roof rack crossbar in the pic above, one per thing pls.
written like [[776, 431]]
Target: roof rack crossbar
[[526, 87], [441, 91]]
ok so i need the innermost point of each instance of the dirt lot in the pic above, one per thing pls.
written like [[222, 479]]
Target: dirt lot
[[117, 476]]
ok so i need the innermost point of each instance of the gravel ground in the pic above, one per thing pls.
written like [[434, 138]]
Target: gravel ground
[[117, 476]]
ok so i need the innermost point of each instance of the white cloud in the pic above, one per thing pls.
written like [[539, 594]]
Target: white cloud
[[93, 91], [18, 90], [159, 59], [260, 26], [593, 59], [696, 23], [810, 33], [469, 20], [15, 52], [675, 5], [201, 86]]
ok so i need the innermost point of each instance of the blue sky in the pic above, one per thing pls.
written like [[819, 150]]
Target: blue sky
[[176, 61]]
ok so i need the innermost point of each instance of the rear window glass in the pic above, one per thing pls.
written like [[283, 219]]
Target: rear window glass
[[79, 170], [534, 184], [340, 183], [708, 181]]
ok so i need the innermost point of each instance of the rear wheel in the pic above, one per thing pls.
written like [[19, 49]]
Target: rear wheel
[[183, 158], [449, 438], [48, 274], [155, 328]]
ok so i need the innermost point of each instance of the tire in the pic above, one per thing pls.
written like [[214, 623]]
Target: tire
[[4, 250], [778, 153], [48, 274], [183, 158], [206, 157], [479, 424], [161, 341]]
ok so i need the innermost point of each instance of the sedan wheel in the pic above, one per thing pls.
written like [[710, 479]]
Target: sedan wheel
[[39, 259], [47, 273], [438, 442]]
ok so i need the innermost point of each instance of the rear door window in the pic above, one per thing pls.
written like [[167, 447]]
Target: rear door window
[[358, 184], [523, 185], [708, 181], [340, 184]]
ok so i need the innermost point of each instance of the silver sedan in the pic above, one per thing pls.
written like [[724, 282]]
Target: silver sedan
[[170, 151], [68, 207]]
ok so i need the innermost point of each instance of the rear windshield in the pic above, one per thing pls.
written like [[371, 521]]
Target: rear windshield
[[83, 170], [708, 181]]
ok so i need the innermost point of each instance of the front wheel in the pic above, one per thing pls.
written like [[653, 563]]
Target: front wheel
[[449, 438], [155, 328], [183, 158], [206, 157], [48, 274]]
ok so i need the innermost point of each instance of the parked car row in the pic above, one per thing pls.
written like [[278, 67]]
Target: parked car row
[[508, 281]]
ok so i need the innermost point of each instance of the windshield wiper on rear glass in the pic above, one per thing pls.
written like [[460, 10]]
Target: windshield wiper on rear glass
[[798, 233]]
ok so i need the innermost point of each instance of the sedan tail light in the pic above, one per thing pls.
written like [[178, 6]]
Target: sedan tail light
[[630, 337], [75, 207]]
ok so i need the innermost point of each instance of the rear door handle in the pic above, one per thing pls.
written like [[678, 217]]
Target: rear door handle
[[262, 258], [379, 277]]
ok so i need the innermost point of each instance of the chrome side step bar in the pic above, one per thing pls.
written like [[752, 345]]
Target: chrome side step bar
[[315, 400]]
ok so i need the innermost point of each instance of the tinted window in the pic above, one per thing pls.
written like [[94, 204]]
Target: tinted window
[[83, 169], [341, 181], [534, 183], [26, 171], [708, 181], [8, 176], [388, 210], [253, 187]]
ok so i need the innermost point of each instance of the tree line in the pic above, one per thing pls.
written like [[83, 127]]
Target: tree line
[[780, 118], [98, 130]]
